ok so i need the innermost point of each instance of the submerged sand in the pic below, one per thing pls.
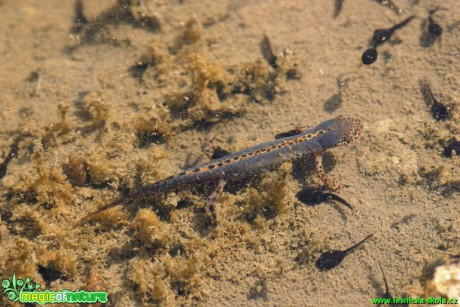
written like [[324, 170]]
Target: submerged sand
[[127, 95]]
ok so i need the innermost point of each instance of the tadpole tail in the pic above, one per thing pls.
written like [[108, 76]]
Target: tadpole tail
[[384, 279], [340, 200], [403, 23], [426, 93], [349, 250], [338, 7]]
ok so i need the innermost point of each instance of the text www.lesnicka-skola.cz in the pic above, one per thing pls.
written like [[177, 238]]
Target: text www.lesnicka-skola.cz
[[414, 300]]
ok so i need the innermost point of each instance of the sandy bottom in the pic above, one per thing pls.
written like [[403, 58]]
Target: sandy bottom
[[127, 95]]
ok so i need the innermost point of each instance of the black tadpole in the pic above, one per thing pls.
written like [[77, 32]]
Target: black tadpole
[[219, 153], [315, 196], [267, 52], [288, 134], [381, 36], [13, 153], [338, 7], [453, 146], [434, 28], [369, 56], [330, 259], [387, 291], [79, 20], [439, 111]]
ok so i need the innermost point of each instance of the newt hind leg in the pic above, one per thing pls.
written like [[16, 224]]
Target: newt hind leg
[[331, 184], [211, 214]]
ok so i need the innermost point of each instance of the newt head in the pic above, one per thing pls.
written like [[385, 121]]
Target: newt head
[[351, 128], [339, 131]]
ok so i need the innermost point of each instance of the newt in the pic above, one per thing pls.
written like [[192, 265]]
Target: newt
[[254, 160]]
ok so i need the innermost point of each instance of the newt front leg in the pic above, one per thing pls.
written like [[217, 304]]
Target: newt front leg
[[331, 184]]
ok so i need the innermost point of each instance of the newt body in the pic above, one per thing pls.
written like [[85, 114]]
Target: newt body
[[253, 160]]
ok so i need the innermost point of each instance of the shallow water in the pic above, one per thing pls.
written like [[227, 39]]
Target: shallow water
[[123, 94]]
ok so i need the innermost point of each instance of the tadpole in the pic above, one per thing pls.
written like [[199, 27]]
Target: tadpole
[[330, 259], [13, 153]]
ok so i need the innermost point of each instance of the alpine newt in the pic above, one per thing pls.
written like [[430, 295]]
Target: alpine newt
[[254, 160]]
